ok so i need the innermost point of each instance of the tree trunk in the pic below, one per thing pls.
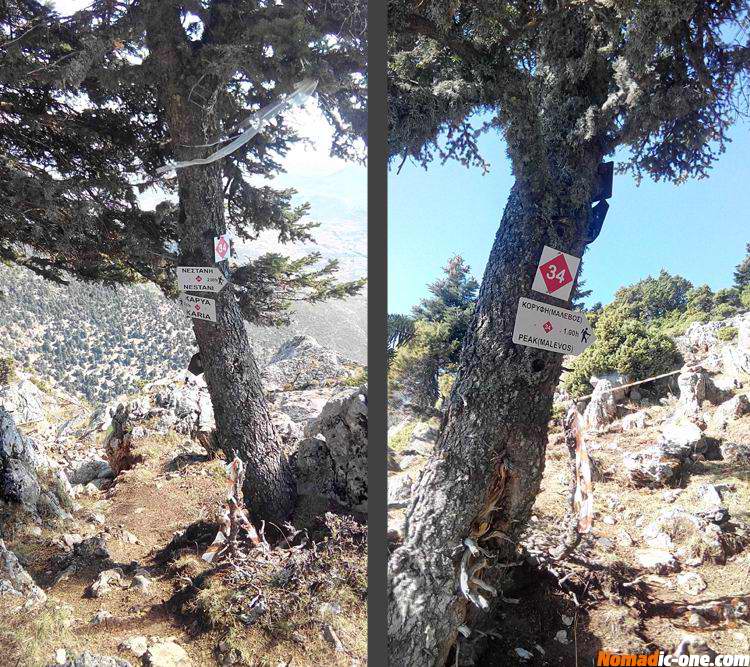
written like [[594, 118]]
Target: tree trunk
[[243, 420], [485, 472]]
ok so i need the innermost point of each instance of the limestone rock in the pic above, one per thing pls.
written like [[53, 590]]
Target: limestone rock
[[301, 363], [302, 406], [89, 470], [105, 582], [422, 441], [332, 460], [16, 583], [166, 654], [137, 645], [602, 409], [88, 659], [652, 467], [691, 582], [399, 491], [736, 452], [616, 379], [692, 384], [681, 439], [658, 561], [19, 484], [23, 401], [15, 446], [186, 407], [692, 538], [730, 410], [141, 583], [636, 421]]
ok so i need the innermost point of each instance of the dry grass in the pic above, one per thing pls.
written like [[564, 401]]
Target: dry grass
[[30, 640], [399, 441], [295, 586]]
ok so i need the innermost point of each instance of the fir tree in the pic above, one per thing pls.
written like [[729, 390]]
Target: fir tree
[[742, 271]]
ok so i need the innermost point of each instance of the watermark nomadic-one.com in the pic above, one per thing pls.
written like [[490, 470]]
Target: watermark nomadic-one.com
[[659, 659]]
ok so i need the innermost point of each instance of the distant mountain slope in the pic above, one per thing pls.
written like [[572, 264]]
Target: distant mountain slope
[[101, 342]]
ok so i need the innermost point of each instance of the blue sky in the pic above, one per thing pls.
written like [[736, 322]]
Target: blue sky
[[698, 229]]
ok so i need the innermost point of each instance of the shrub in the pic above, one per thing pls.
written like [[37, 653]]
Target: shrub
[[727, 333], [7, 370], [626, 345], [745, 297], [356, 379]]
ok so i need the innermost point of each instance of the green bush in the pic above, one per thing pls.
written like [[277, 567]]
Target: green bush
[[415, 366], [358, 378], [7, 370], [727, 333], [626, 345]]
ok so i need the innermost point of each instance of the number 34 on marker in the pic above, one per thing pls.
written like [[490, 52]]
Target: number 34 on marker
[[556, 273]]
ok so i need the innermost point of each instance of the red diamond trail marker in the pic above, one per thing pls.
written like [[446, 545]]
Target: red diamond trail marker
[[222, 247], [198, 307], [547, 326], [556, 273]]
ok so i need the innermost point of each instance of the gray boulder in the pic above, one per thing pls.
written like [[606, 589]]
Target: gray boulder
[[83, 472], [652, 467], [737, 453], [15, 446], [635, 421], [692, 384], [302, 406], [399, 491], [602, 408], [301, 363], [423, 439], [332, 460], [16, 583], [681, 439], [730, 410], [736, 356], [186, 407], [23, 400], [19, 485], [88, 659], [662, 463]]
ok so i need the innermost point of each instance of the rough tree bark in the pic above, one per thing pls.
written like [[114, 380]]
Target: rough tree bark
[[243, 420], [485, 472]]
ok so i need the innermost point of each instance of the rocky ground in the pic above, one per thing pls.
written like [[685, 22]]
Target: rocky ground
[[107, 519], [667, 562]]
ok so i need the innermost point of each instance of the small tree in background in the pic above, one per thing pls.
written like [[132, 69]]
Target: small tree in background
[[400, 331], [742, 271], [441, 324], [93, 104], [416, 365]]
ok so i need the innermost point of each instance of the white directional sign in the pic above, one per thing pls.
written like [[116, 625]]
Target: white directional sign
[[222, 247], [198, 307], [200, 278], [551, 328], [556, 273]]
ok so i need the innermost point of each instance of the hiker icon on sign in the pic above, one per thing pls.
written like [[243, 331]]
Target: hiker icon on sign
[[585, 335]]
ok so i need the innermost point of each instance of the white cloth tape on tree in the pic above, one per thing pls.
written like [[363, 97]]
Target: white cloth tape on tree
[[254, 123]]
